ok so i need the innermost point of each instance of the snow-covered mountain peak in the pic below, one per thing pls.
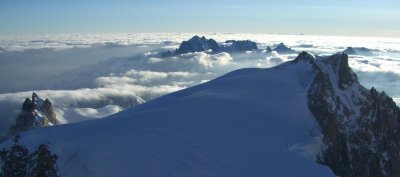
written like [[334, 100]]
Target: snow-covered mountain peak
[[202, 44], [250, 122], [197, 44], [358, 51], [305, 57], [235, 46], [283, 49]]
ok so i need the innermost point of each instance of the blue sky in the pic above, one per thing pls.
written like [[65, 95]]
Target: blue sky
[[317, 17]]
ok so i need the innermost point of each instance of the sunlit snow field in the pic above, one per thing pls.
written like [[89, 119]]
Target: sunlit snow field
[[111, 72]]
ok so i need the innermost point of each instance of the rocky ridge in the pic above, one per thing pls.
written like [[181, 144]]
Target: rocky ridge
[[35, 113], [360, 126], [202, 44]]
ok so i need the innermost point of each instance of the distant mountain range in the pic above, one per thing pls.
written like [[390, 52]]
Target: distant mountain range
[[358, 51], [202, 44]]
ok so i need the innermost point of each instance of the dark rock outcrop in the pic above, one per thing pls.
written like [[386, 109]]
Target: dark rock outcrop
[[35, 113], [202, 44], [268, 49], [283, 49], [304, 56], [358, 51], [240, 46], [197, 44], [166, 54], [361, 127], [48, 111]]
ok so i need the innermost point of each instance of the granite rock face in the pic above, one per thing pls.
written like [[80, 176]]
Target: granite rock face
[[202, 44], [35, 113], [360, 126], [197, 44]]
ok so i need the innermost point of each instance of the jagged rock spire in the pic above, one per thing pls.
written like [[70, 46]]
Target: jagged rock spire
[[197, 44], [34, 113], [202, 44]]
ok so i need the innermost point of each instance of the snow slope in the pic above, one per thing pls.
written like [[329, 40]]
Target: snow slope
[[251, 122], [73, 115]]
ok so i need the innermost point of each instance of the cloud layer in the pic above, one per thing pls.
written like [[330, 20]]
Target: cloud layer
[[92, 71]]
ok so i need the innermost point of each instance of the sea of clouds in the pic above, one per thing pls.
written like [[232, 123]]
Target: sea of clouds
[[99, 70]]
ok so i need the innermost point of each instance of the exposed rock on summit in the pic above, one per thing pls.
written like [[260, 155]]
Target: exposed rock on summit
[[35, 113], [202, 44], [240, 46], [358, 51], [360, 126], [306, 57], [283, 49], [197, 44]]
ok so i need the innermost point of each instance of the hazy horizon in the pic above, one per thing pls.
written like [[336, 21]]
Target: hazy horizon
[[311, 17], [205, 34]]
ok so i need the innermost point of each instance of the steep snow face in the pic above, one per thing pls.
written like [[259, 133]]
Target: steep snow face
[[251, 122]]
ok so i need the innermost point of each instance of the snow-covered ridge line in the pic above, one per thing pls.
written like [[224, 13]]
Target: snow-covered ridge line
[[234, 125], [258, 122]]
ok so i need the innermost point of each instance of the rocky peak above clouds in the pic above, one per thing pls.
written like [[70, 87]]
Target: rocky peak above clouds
[[35, 113]]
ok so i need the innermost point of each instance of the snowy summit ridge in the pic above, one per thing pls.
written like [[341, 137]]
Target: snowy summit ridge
[[250, 122]]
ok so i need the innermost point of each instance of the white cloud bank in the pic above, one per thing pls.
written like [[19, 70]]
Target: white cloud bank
[[122, 69]]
